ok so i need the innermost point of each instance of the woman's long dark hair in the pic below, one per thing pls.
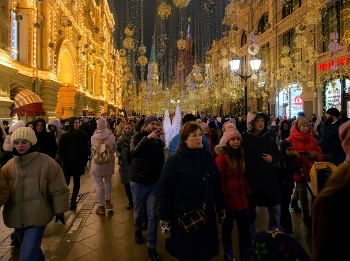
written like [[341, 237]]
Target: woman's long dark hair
[[233, 154]]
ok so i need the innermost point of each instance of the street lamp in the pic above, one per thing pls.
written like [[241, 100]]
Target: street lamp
[[255, 65]]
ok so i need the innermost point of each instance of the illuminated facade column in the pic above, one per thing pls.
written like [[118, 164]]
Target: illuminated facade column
[[48, 93], [66, 96], [79, 104]]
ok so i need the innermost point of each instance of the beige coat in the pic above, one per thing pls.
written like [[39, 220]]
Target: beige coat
[[4, 190], [37, 190]]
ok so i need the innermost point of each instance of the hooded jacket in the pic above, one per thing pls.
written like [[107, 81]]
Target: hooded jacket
[[105, 169], [46, 140], [73, 150], [37, 190], [261, 176], [304, 143]]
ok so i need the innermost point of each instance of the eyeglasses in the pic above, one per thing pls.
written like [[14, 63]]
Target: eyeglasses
[[290, 149]]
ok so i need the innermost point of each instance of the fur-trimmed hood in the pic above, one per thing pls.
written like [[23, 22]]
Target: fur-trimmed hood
[[221, 149]]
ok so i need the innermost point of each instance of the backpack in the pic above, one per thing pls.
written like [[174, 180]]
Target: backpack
[[100, 153]]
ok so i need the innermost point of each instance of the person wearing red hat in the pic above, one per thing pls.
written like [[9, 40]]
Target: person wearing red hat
[[231, 164]]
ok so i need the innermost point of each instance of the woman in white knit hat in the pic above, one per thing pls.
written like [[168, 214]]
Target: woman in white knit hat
[[37, 192]]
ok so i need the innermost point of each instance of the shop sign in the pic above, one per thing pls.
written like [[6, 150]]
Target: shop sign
[[338, 62]]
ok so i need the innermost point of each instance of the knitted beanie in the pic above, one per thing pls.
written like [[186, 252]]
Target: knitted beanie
[[205, 127], [16, 125], [302, 121], [334, 112], [24, 133], [344, 135], [101, 123], [230, 133], [275, 245], [149, 119]]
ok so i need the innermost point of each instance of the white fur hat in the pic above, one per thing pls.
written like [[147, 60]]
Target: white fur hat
[[16, 125]]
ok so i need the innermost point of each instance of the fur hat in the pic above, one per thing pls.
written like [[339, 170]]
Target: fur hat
[[284, 146], [16, 125], [24, 133], [149, 119], [275, 245], [230, 133], [252, 116], [205, 127], [302, 121], [54, 122], [334, 112], [344, 135], [101, 123]]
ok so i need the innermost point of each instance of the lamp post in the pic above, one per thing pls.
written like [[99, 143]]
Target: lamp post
[[255, 65]]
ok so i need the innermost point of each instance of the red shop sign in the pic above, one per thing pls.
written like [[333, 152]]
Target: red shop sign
[[329, 64]]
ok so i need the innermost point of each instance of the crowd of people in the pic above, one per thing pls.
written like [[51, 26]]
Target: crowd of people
[[219, 168]]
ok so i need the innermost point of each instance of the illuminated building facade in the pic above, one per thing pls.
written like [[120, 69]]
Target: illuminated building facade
[[61, 50]]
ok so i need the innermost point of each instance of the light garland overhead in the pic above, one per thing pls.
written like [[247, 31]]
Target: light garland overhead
[[164, 10], [181, 3]]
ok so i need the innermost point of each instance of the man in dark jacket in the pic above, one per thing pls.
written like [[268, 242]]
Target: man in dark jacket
[[261, 155], [46, 140], [147, 159], [329, 140], [73, 150]]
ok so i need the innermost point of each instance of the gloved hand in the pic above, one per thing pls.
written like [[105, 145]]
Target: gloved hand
[[312, 154], [165, 227], [60, 217], [251, 200], [296, 154], [221, 215]]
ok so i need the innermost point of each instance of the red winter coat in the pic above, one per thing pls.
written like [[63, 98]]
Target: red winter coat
[[234, 185], [304, 143]]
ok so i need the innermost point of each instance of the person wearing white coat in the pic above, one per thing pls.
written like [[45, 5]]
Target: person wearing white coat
[[103, 172]]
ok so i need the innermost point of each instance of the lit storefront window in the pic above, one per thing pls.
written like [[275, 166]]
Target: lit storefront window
[[333, 94], [289, 101]]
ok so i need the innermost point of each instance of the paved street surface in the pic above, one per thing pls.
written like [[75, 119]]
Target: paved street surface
[[89, 237]]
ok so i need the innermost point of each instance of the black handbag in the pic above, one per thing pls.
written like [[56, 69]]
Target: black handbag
[[195, 218]]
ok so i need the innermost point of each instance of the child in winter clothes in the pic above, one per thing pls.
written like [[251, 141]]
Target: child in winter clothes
[[231, 164], [285, 169], [303, 141]]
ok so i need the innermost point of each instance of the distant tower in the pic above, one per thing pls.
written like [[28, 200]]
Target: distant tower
[[152, 73], [186, 59]]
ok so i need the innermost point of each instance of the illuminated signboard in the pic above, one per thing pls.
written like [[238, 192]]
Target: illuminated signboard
[[333, 94], [338, 62]]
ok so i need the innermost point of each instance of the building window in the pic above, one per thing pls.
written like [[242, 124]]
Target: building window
[[263, 25], [14, 36], [244, 39], [290, 7], [336, 20]]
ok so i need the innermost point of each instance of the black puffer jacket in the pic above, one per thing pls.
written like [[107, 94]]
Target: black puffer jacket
[[147, 158]]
